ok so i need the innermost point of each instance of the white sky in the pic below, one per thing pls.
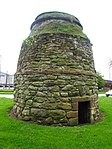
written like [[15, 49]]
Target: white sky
[[16, 17]]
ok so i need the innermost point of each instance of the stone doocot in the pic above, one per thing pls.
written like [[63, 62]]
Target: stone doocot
[[55, 82]]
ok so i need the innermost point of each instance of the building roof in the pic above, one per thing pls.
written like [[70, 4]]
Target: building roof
[[3, 74], [57, 16]]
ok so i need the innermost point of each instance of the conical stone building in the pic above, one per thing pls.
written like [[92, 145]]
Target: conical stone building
[[55, 82]]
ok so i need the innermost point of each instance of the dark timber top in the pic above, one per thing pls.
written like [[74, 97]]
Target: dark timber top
[[55, 15]]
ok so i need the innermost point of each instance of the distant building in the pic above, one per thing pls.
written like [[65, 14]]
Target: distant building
[[108, 85], [6, 80]]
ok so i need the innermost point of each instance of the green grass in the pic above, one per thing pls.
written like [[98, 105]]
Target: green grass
[[6, 91], [20, 135], [102, 91]]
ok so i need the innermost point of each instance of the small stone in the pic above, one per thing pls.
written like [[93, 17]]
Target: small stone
[[64, 94], [33, 88], [72, 114], [28, 97], [38, 112], [57, 113], [18, 109], [60, 82], [48, 120], [64, 120], [74, 93], [64, 99], [51, 77], [65, 106], [26, 118], [14, 107], [25, 112], [49, 106], [43, 89], [68, 88], [55, 94], [41, 94], [42, 78], [64, 77], [51, 100], [75, 106], [49, 83], [73, 121], [32, 93], [29, 102], [39, 99], [54, 88], [34, 110], [36, 105], [21, 100], [26, 92], [37, 83]]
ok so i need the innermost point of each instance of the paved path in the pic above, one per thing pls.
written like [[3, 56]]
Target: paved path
[[101, 95], [7, 95]]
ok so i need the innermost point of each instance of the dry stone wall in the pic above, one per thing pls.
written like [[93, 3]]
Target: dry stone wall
[[55, 72]]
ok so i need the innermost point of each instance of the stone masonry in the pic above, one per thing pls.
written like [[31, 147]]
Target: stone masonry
[[56, 73]]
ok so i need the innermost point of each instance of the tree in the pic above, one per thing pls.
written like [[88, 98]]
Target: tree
[[101, 81]]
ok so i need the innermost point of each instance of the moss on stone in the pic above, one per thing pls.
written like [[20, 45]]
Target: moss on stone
[[59, 27]]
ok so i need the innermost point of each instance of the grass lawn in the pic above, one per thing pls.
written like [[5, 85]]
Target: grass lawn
[[20, 135], [102, 91], [5, 91]]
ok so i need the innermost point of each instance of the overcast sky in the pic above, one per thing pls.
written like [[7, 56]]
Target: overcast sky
[[16, 17]]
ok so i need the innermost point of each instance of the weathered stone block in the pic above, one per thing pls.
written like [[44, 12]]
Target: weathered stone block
[[42, 88], [75, 106], [34, 111], [64, 120], [38, 112], [73, 121], [26, 118], [72, 114], [25, 112], [37, 83], [55, 94], [49, 83], [68, 88], [29, 102], [18, 110], [36, 105], [49, 106], [54, 88], [51, 77], [65, 106], [56, 114], [64, 94], [60, 82], [26, 92], [64, 99], [41, 94], [48, 120], [64, 77], [52, 100], [39, 99], [32, 88], [21, 100], [74, 93]]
